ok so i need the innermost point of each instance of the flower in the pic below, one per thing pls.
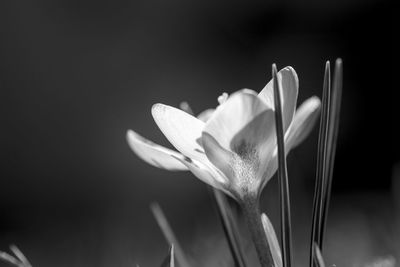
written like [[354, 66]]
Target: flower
[[234, 147]]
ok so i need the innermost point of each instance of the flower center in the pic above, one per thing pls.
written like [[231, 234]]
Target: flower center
[[245, 165]]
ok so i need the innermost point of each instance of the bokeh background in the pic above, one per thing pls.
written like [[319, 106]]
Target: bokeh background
[[75, 75]]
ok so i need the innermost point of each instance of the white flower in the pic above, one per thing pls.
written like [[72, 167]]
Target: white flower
[[235, 149]]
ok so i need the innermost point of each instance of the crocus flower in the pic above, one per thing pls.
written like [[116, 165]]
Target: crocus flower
[[234, 148]]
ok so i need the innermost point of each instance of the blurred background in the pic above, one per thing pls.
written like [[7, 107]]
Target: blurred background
[[75, 75]]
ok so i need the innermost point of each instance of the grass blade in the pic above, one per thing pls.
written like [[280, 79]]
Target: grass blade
[[19, 260], [272, 240], [286, 228], [169, 234], [4, 256], [333, 130], [169, 261], [322, 144], [20, 256], [230, 227], [319, 260]]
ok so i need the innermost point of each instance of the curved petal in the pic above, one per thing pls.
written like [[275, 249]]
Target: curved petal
[[239, 138], [206, 114], [289, 85], [272, 240], [181, 129], [219, 156], [303, 122], [243, 121], [206, 174], [154, 154]]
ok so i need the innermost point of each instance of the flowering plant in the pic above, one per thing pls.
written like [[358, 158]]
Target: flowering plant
[[232, 148], [236, 148]]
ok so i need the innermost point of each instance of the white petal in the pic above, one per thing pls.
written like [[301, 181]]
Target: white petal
[[207, 174], [239, 138], [219, 156], [289, 85], [154, 154], [303, 122], [206, 114], [181, 129], [272, 240], [244, 119]]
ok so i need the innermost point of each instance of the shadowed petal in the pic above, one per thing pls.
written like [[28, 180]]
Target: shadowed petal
[[243, 120], [181, 129], [303, 122], [207, 174], [289, 84], [154, 154], [239, 137], [206, 114], [218, 155]]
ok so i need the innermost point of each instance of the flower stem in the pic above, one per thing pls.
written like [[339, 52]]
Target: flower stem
[[251, 212]]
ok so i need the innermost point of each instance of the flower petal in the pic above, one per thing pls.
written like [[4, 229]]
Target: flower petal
[[154, 154], [239, 138], [303, 122], [181, 129], [206, 114], [243, 121], [219, 156], [206, 174], [289, 85], [272, 240]]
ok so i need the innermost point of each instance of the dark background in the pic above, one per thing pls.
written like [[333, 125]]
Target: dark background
[[75, 75]]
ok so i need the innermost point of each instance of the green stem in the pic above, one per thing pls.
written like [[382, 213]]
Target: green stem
[[251, 212]]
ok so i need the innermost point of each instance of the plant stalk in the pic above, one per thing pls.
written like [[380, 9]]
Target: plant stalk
[[286, 225], [230, 227], [251, 213]]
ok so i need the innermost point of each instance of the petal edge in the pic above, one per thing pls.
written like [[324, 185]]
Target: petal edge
[[153, 154]]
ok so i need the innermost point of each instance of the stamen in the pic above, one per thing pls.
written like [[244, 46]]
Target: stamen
[[222, 98]]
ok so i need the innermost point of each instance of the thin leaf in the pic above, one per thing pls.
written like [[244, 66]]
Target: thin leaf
[[19, 260], [323, 156], [4, 256], [169, 261], [319, 260], [286, 228], [272, 240], [230, 227], [319, 184], [333, 130], [20, 256], [169, 234]]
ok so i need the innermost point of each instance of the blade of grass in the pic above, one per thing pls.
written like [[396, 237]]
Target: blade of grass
[[169, 261], [169, 234], [4, 256], [272, 240], [286, 228], [230, 227], [332, 141], [318, 256], [319, 183], [20, 256]]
